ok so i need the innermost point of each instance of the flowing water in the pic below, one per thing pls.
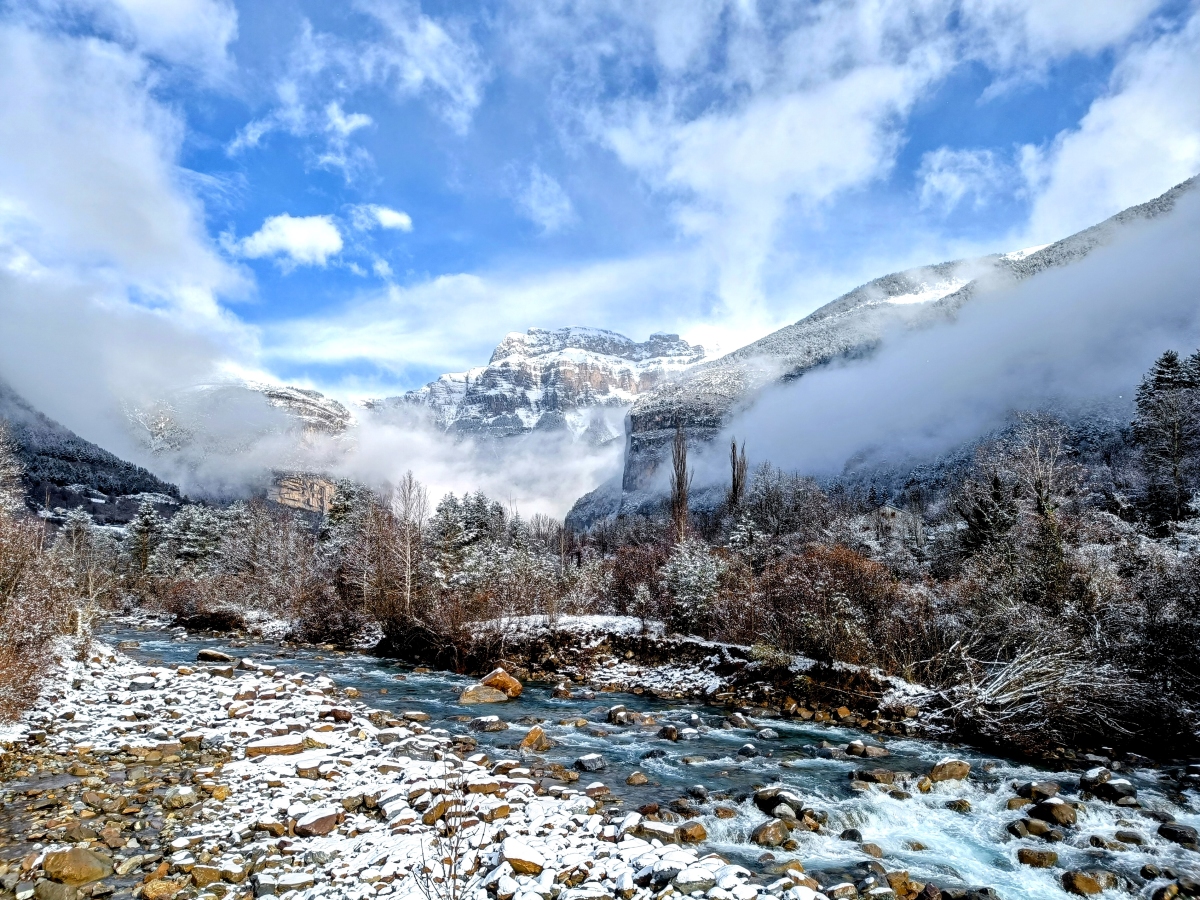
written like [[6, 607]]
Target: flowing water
[[918, 833]]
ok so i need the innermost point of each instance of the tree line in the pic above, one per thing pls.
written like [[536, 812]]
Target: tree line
[[1048, 590]]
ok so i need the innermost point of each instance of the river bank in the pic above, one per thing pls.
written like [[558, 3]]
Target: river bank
[[264, 775]]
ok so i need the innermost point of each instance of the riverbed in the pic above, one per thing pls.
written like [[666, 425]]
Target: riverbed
[[953, 833]]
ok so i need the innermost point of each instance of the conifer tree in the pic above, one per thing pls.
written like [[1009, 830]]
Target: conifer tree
[[1167, 430]]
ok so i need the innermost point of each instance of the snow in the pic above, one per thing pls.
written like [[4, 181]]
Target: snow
[[930, 292], [1017, 255]]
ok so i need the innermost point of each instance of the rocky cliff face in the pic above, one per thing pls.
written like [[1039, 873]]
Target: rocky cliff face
[[581, 379], [705, 397], [307, 492]]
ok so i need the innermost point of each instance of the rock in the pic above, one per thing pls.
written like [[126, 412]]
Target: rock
[[502, 681], [724, 812], [767, 734], [749, 751], [1081, 884], [669, 733], [562, 692], [523, 858], [592, 762], [1054, 810], [76, 866], [770, 834], [950, 770], [143, 683], [482, 693], [1185, 835], [285, 745], [636, 779], [161, 889], [1037, 859], [536, 740], [768, 799], [874, 776], [1038, 790], [1115, 790], [203, 876], [180, 796], [872, 850], [318, 822], [208, 654], [959, 806], [691, 833], [488, 724], [694, 878], [51, 890]]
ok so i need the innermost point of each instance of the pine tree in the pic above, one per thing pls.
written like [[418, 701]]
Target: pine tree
[[146, 533], [1167, 430], [691, 577], [989, 510]]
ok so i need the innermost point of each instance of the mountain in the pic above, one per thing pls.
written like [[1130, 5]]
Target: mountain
[[64, 471], [705, 398], [580, 379]]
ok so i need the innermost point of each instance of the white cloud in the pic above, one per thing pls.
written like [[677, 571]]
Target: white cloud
[[191, 33], [545, 202], [1136, 141], [392, 218], [300, 240], [1032, 33], [948, 176], [420, 55], [366, 216], [88, 171], [342, 124]]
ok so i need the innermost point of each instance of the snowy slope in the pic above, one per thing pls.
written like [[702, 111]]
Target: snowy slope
[[705, 397], [62, 470], [581, 379]]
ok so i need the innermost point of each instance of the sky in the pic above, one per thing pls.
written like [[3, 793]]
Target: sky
[[359, 196]]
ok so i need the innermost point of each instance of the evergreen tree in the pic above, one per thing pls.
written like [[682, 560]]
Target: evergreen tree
[[1167, 430], [691, 577], [989, 510], [146, 533]]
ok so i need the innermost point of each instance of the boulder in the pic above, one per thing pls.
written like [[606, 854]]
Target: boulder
[[482, 693], [769, 799], [1184, 835], [180, 796], [488, 724], [1081, 884], [1054, 810], [318, 821], [536, 740], [1115, 790], [523, 858], [209, 654], [636, 779], [52, 890], [1038, 790], [203, 876], [161, 889], [691, 833], [76, 866], [284, 745], [694, 878], [502, 681], [950, 770], [1037, 859], [592, 762], [770, 834]]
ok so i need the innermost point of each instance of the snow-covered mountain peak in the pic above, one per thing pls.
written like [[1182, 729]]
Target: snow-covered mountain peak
[[579, 379]]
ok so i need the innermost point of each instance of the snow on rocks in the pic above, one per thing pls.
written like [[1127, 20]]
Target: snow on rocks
[[241, 777]]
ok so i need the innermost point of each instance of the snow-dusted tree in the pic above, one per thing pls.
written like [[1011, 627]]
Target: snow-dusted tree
[[1167, 430], [691, 576], [11, 470], [90, 555], [145, 533], [410, 506], [194, 536]]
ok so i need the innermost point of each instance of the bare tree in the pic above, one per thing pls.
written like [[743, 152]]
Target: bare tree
[[737, 474], [410, 505], [681, 482]]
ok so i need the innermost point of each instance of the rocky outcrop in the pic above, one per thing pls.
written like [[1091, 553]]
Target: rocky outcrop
[[310, 493], [579, 379]]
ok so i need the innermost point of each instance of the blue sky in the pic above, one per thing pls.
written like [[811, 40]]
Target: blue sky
[[359, 196]]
